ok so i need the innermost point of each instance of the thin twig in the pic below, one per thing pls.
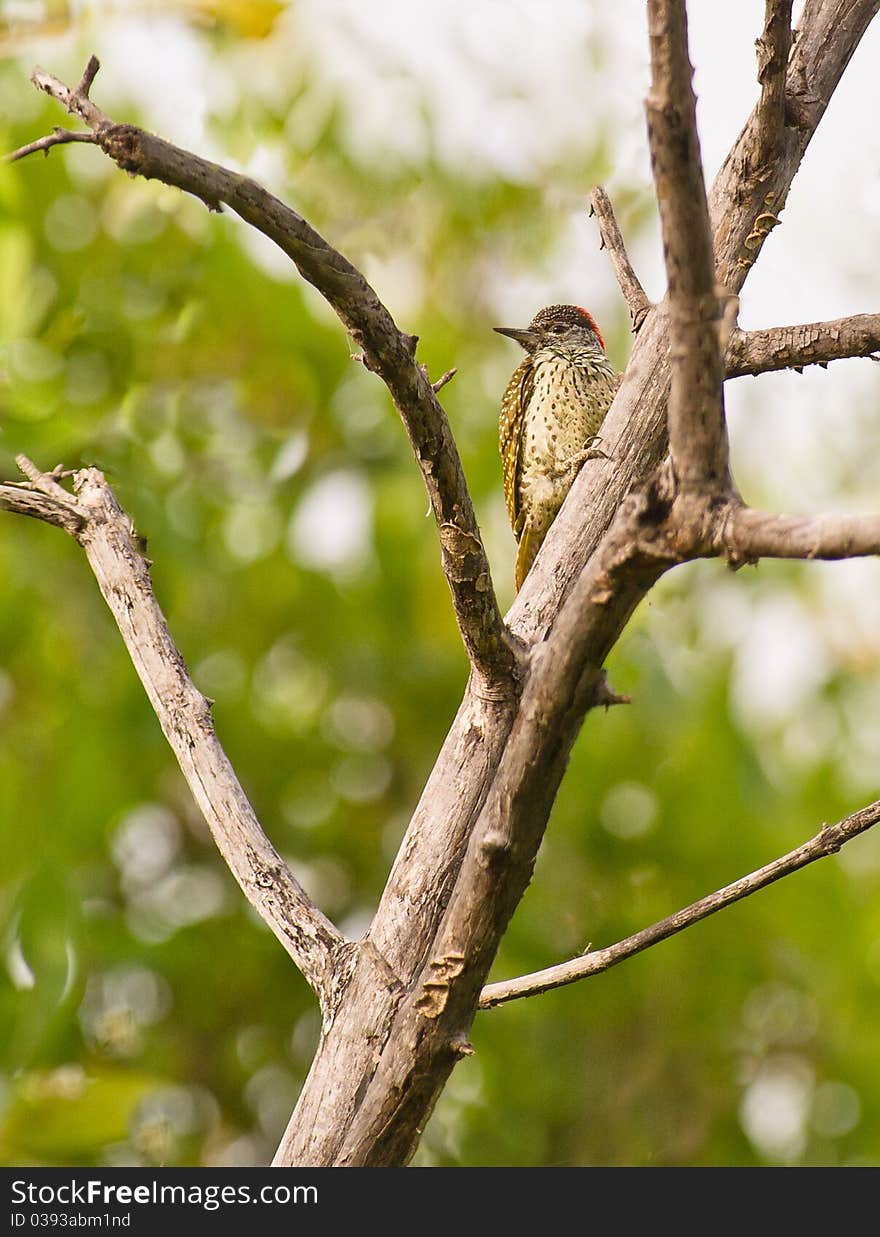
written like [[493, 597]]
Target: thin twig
[[443, 379], [89, 74], [23, 499], [795, 347], [697, 433], [828, 841], [634, 294], [46, 482], [93, 516], [387, 351], [58, 137], [773, 49]]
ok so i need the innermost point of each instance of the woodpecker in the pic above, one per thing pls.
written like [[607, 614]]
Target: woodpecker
[[553, 407]]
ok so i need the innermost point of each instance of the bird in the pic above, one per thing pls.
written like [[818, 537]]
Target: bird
[[551, 413]]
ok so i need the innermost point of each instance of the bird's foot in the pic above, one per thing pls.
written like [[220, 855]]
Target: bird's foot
[[590, 452]]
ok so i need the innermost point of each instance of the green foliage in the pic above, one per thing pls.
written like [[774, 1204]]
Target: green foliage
[[146, 1016]]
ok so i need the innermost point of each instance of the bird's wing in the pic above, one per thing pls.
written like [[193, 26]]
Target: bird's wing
[[596, 386], [612, 382], [510, 425]]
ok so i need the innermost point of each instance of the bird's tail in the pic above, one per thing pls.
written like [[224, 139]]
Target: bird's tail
[[529, 544]]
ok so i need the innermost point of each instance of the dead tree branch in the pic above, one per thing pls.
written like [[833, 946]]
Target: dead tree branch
[[827, 841], [746, 535], [697, 432], [795, 347], [42, 499], [387, 351], [773, 49], [437, 1010], [107, 535], [631, 289], [58, 137], [76, 101]]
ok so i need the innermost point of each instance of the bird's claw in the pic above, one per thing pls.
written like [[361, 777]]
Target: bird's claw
[[590, 452]]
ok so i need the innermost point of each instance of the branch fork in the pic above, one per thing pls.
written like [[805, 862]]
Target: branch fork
[[93, 516]]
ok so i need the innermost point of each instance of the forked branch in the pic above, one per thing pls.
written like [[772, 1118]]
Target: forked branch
[[743, 207], [93, 516], [58, 137], [386, 351]]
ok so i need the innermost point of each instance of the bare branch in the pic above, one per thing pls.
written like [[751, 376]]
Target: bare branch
[[795, 347], [24, 500], [743, 207], [387, 351], [828, 841], [697, 433], [76, 101], [106, 534], [502, 812], [443, 379], [439, 1004], [89, 74], [773, 49], [745, 535], [58, 137], [612, 240], [747, 197]]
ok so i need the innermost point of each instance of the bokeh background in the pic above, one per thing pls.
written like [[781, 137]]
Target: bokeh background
[[146, 1017]]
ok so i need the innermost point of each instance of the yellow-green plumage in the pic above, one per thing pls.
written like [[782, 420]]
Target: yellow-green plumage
[[552, 409]]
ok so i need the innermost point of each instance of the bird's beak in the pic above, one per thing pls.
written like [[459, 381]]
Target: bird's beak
[[526, 338]]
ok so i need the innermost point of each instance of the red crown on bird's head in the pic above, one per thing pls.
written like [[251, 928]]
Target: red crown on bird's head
[[571, 314]]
